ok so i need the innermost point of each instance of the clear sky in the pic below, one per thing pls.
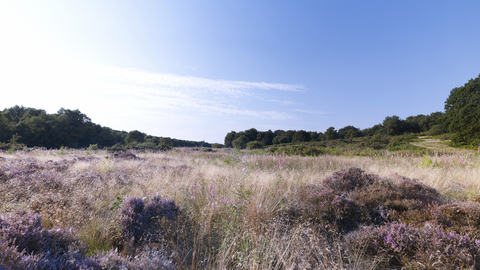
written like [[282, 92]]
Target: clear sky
[[196, 70]]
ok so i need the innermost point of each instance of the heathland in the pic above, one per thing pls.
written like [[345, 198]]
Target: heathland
[[394, 196], [190, 208]]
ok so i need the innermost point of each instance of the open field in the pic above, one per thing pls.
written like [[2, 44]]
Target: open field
[[234, 210]]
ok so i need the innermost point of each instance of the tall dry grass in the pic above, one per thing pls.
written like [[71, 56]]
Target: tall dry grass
[[231, 202]]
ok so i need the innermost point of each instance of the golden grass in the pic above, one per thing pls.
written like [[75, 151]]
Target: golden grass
[[209, 188]]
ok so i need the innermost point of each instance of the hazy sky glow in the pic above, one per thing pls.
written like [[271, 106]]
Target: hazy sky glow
[[198, 69]]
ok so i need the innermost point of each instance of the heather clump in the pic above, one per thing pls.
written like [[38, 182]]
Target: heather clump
[[349, 179], [139, 223], [123, 155], [146, 259], [323, 206], [428, 247], [407, 194], [464, 219], [26, 242]]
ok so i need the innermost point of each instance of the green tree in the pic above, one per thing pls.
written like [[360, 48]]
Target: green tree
[[229, 139], [240, 142], [462, 113], [251, 134], [254, 145], [349, 132], [135, 136], [301, 136], [331, 134], [393, 125], [4, 129]]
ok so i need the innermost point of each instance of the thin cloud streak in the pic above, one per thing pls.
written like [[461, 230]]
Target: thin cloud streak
[[180, 93], [309, 112], [284, 102]]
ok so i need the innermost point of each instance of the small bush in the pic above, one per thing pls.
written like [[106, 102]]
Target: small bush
[[254, 145], [93, 147], [324, 207], [349, 179], [138, 223], [425, 248], [25, 244]]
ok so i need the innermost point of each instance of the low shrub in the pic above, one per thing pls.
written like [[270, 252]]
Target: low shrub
[[349, 179], [138, 223], [322, 206], [25, 244], [429, 247]]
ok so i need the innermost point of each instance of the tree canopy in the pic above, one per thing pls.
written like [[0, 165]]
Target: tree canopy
[[462, 113], [71, 128]]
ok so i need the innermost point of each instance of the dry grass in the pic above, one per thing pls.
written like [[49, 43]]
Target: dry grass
[[231, 201]]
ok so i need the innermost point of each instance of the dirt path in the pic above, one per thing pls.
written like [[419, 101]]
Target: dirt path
[[440, 145]]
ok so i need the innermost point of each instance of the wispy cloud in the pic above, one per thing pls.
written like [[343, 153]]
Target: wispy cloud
[[284, 102], [174, 92], [310, 112]]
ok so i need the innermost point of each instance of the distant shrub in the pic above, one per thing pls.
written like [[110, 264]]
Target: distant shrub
[[163, 147], [217, 145], [116, 148], [93, 147], [254, 145]]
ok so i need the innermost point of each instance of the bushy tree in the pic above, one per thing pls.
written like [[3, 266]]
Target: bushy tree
[[251, 134], [331, 134], [266, 138], [393, 125], [240, 142], [349, 132], [462, 113], [374, 130], [254, 145], [135, 136], [301, 136]]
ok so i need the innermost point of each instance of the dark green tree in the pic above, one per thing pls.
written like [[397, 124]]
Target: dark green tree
[[254, 145], [462, 113], [349, 132], [301, 136], [393, 125], [240, 142], [374, 130], [251, 134], [4, 129], [135, 136], [229, 139], [266, 138], [331, 134]]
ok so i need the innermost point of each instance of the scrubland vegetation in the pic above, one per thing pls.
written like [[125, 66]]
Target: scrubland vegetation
[[229, 209]]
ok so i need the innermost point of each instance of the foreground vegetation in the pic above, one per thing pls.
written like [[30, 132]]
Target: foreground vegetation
[[193, 209]]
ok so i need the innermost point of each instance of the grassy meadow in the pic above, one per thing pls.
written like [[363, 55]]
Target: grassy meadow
[[228, 209]]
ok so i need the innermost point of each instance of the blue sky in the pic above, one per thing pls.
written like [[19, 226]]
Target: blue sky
[[198, 69]]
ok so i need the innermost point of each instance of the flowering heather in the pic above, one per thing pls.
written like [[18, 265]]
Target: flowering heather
[[27, 243], [239, 210], [429, 247], [140, 223], [348, 179]]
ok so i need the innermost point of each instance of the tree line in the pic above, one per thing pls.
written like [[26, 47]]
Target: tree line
[[32, 127], [461, 118], [391, 126]]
